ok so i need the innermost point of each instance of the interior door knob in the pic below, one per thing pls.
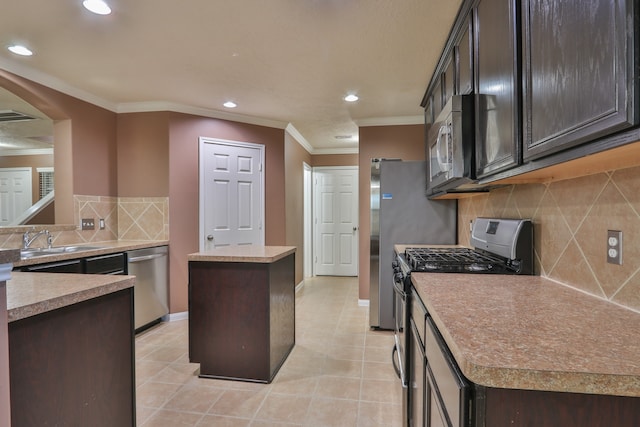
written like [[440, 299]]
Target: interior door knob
[[210, 237]]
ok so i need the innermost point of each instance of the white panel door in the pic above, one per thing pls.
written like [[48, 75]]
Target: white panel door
[[336, 221], [15, 193], [231, 193]]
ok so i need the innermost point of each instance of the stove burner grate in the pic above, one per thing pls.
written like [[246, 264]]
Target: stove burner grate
[[452, 260]]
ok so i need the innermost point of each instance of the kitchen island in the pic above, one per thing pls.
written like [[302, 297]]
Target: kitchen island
[[71, 349], [242, 311], [537, 352]]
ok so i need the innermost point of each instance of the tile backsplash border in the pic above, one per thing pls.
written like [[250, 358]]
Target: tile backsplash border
[[571, 219], [125, 218]]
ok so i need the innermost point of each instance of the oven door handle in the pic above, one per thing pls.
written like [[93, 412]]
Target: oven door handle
[[398, 288], [393, 361]]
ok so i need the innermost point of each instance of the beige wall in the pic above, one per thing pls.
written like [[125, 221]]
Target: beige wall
[[294, 157], [100, 154], [403, 142], [334, 160], [184, 133], [143, 154], [571, 219], [88, 164]]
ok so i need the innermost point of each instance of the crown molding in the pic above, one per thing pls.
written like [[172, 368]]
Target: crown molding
[[54, 83], [26, 152], [336, 151], [299, 138], [145, 107], [390, 121]]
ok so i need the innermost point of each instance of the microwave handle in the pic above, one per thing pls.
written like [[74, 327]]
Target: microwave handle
[[445, 164]]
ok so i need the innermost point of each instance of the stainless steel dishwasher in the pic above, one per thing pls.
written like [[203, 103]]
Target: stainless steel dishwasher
[[150, 293]]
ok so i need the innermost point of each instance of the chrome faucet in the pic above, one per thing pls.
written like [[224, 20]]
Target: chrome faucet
[[28, 240]]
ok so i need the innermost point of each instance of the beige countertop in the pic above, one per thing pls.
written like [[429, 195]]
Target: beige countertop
[[29, 294], [245, 253], [105, 248], [527, 332], [9, 256]]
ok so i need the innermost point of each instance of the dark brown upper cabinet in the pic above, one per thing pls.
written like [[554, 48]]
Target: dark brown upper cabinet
[[498, 132], [579, 63], [428, 112], [464, 56], [436, 96], [449, 78]]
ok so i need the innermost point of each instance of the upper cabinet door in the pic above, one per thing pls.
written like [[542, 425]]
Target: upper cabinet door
[[578, 60], [449, 78], [498, 142], [464, 49]]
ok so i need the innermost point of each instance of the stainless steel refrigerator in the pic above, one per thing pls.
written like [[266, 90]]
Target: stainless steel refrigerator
[[401, 213]]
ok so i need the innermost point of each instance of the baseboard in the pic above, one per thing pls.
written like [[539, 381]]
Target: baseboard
[[172, 317], [299, 286]]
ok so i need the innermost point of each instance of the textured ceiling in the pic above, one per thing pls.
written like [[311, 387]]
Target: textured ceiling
[[284, 62]]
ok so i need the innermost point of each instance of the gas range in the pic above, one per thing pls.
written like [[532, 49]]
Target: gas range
[[500, 246]]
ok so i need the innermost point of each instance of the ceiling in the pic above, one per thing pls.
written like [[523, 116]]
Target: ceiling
[[286, 63]]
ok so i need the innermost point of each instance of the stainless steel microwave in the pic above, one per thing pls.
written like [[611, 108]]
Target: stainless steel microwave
[[451, 148]]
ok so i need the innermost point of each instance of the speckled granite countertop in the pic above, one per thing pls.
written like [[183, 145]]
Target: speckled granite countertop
[[249, 253], [29, 294], [9, 256], [527, 332], [105, 248]]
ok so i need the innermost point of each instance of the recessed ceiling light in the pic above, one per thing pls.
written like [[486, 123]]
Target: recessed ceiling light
[[20, 50], [351, 98], [97, 6], [230, 104]]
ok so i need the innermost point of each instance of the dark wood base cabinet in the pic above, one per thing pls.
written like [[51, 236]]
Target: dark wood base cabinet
[[241, 318], [74, 366], [504, 407]]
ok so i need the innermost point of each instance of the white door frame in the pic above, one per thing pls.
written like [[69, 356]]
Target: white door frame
[[201, 214], [307, 220], [315, 214]]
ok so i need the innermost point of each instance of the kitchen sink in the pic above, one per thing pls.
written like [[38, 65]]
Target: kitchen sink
[[56, 250]]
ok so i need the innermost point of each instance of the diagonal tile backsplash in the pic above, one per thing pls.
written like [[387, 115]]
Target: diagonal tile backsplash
[[126, 218], [571, 219]]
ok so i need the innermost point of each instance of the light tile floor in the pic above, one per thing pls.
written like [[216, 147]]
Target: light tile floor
[[338, 374]]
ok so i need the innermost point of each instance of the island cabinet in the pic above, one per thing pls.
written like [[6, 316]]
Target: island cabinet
[[579, 65], [509, 407], [241, 311], [71, 350]]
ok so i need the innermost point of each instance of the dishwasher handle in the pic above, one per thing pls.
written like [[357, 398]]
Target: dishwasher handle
[[146, 257]]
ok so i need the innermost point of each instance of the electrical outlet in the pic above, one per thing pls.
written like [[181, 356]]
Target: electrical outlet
[[614, 247], [87, 224]]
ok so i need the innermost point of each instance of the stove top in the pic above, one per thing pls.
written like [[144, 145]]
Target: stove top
[[453, 260], [500, 246]]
